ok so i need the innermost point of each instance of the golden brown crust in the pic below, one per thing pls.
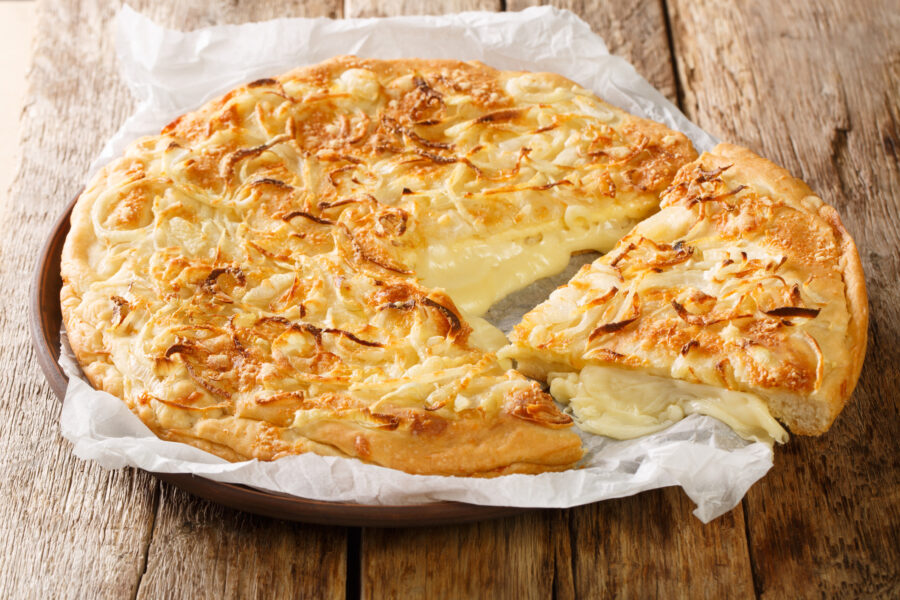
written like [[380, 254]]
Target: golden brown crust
[[468, 448], [858, 308], [746, 280], [260, 279]]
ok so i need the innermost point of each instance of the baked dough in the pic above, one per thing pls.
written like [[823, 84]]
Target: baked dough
[[300, 264], [745, 285]]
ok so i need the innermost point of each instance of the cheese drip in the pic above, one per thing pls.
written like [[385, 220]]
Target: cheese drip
[[624, 404]]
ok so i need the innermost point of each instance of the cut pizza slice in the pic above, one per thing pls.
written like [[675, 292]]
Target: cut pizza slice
[[743, 299]]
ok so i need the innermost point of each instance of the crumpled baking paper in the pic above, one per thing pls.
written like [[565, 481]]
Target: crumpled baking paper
[[171, 72]]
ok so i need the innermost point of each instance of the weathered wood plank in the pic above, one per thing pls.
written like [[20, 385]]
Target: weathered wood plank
[[507, 558], [651, 546], [640, 547], [813, 85], [634, 30], [202, 550], [69, 528], [823, 522]]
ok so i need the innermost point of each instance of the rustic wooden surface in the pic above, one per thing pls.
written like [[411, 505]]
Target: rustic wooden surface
[[815, 87], [812, 85]]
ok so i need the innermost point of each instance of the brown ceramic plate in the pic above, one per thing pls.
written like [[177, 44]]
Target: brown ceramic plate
[[45, 321]]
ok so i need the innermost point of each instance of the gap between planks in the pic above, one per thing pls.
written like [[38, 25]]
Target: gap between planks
[[673, 56], [157, 492]]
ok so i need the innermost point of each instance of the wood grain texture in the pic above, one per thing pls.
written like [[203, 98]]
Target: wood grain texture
[[67, 527], [506, 558], [813, 86], [651, 546], [635, 30], [202, 550], [640, 547]]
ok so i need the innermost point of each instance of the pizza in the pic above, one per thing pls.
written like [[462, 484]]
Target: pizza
[[743, 298], [301, 264]]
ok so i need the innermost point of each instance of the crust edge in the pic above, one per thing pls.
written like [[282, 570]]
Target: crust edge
[[855, 295]]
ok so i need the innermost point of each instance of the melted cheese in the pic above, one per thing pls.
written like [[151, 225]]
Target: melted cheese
[[477, 273], [624, 404]]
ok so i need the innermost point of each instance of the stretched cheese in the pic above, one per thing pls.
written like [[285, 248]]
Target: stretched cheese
[[624, 404]]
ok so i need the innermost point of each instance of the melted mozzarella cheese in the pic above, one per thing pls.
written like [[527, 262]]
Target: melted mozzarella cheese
[[624, 404], [477, 273]]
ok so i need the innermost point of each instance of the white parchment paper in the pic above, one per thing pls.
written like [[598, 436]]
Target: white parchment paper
[[171, 72]]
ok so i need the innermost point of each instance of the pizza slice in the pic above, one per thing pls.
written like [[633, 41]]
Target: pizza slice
[[743, 299]]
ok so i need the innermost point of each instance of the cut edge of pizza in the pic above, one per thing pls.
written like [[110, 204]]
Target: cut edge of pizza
[[743, 298]]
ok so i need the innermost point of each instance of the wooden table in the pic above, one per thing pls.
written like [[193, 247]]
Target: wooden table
[[812, 85]]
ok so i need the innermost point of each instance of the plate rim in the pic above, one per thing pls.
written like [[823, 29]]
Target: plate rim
[[44, 310]]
